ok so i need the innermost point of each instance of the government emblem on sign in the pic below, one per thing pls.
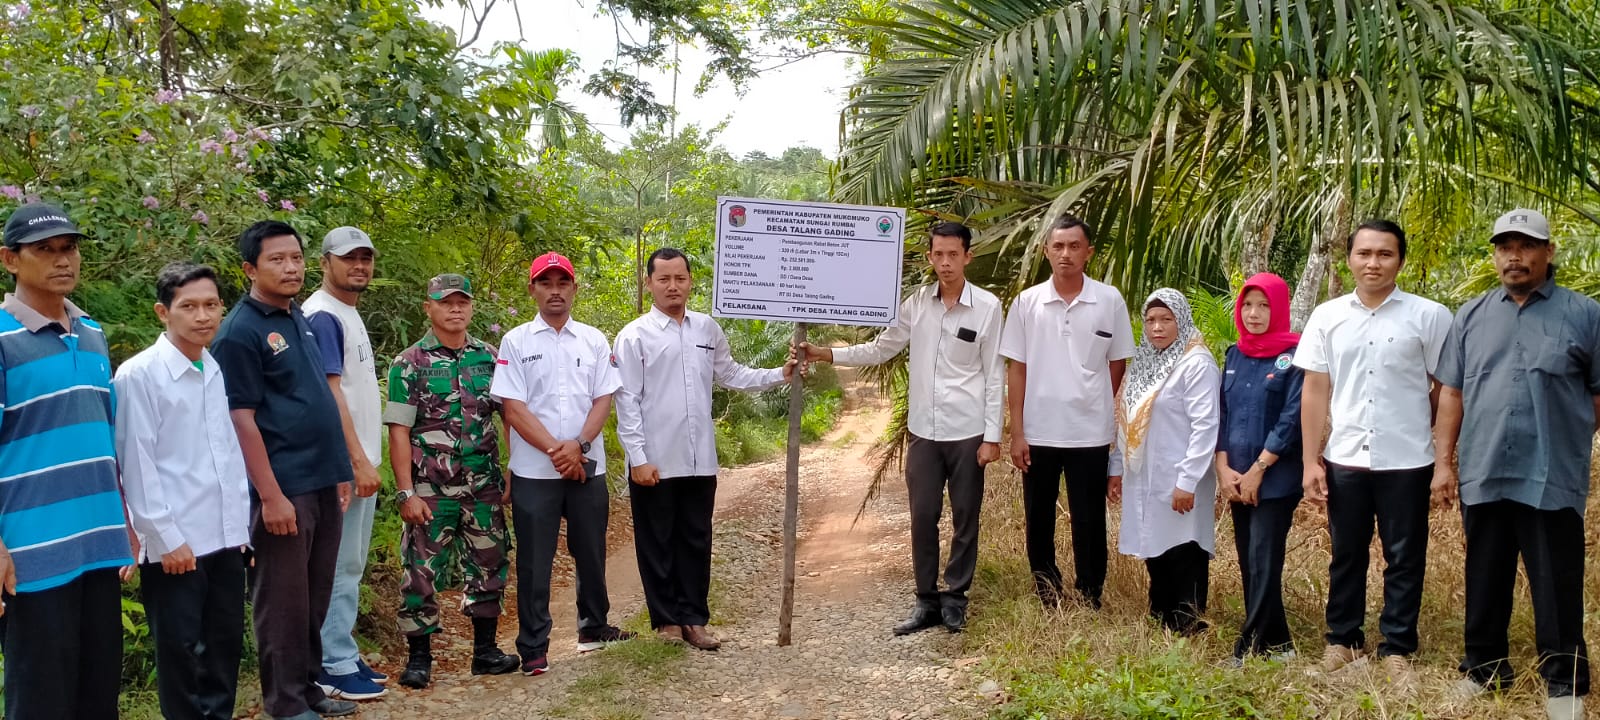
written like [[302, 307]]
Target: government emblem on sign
[[736, 216], [885, 225]]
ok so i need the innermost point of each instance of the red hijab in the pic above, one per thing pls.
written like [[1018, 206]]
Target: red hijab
[[1277, 339]]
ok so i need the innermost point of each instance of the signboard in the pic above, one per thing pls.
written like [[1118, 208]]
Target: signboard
[[808, 262]]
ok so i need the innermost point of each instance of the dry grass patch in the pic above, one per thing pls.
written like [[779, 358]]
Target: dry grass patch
[[1116, 663]]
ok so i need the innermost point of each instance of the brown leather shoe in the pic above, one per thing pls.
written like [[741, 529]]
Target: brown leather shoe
[[670, 633], [698, 637]]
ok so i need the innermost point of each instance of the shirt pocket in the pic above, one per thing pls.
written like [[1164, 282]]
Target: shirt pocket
[[1092, 350], [961, 353], [1557, 357], [1400, 351]]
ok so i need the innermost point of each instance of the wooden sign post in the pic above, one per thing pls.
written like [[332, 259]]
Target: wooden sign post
[[805, 263], [791, 495]]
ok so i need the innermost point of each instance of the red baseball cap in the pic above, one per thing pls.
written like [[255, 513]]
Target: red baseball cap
[[550, 261]]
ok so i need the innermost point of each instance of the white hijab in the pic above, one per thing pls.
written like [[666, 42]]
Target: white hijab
[[1149, 371]]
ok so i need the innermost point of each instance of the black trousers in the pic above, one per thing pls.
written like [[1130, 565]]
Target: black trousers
[[63, 649], [930, 466], [672, 539], [290, 587], [1398, 500], [537, 507], [197, 620], [1180, 580], [1260, 535], [1085, 469], [1551, 545]]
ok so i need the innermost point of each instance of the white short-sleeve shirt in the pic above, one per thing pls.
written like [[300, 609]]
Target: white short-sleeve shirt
[[559, 376], [1379, 363], [1067, 348]]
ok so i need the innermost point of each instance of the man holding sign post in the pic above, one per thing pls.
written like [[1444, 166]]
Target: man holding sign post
[[668, 359], [957, 388]]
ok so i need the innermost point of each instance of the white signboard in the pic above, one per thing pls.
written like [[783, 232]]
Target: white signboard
[[808, 262]]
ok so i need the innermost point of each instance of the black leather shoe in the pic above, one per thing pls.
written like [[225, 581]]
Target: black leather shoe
[[329, 707], [955, 618], [493, 661], [921, 619]]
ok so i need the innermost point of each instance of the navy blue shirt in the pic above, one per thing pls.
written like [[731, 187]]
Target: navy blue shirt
[[1261, 411], [271, 364]]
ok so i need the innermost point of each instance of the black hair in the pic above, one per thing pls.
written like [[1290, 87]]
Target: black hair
[[951, 229], [664, 254], [1379, 225], [1069, 221], [178, 274], [250, 240]]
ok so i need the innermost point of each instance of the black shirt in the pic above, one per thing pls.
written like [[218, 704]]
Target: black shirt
[[271, 365]]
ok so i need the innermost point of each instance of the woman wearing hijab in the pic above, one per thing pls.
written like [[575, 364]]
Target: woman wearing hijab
[[1258, 456], [1167, 433]]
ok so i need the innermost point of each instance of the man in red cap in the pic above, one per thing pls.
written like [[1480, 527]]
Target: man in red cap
[[554, 379]]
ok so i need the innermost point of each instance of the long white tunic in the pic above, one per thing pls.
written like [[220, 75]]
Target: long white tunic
[[1178, 451]]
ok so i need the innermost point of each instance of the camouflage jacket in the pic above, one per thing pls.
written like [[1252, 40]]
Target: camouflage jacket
[[443, 396]]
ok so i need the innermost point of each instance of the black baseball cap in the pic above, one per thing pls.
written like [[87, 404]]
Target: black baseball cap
[[36, 222]]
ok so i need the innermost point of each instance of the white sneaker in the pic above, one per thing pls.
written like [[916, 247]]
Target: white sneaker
[[1567, 707], [1465, 690]]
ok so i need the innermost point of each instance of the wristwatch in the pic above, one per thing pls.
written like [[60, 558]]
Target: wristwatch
[[401, 496], [1262, 464], [583, 446]]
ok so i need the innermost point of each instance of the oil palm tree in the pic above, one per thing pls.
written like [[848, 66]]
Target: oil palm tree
[[1200, 134]]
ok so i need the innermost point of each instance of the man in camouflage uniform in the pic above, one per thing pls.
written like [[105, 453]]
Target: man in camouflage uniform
[[446, 459]]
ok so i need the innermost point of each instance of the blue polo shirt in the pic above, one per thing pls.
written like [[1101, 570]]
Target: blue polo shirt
[[1261, 411], [270, 364], [60, 504]]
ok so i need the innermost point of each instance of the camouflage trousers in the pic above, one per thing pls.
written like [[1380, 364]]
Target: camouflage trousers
[[467, 539]]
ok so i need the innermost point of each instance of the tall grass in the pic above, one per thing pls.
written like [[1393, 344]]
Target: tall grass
[[1115, 663]]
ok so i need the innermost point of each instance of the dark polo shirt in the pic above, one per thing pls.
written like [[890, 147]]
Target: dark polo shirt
[[271, 365], [1528, 376]]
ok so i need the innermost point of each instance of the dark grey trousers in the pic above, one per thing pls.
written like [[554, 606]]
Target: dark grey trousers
[[931, 466], [537, 507], [290, 587]]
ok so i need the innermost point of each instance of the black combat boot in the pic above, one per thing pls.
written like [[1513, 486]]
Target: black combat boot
[[487, 659], [419, 669]]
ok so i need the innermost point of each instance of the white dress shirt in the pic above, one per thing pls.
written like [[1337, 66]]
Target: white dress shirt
[[559, 376], [182, 470], [1380, 363], [957, 380], [664, 406], [1068, 347], [1179, 447]]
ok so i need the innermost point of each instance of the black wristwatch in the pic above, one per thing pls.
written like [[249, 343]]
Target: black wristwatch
[[583, 446]]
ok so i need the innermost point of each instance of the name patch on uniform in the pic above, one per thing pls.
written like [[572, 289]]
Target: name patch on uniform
[[533, 358], [1283, 362]]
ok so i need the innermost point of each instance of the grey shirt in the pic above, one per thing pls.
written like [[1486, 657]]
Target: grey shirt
[[1528, 376]]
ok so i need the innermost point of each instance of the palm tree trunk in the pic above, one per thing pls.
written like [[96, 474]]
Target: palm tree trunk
[[1258, 243], [1319, 262]]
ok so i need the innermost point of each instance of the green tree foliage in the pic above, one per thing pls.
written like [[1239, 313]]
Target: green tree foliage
[[1202, 133]]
